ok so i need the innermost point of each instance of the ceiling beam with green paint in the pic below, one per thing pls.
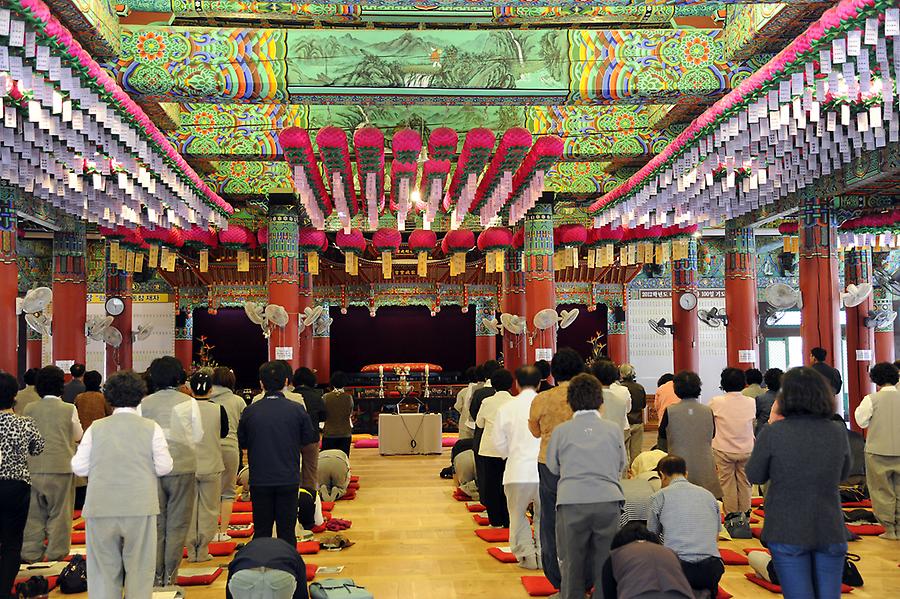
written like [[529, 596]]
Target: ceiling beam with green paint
[[436, 67]]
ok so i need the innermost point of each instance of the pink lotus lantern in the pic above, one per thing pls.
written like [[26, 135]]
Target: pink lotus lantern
[[567, 239], [311, 242], [494, 242], [422, 242], [387, 242], [456, 244], [353, 244]]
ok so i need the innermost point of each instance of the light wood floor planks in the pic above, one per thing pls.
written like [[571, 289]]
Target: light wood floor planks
[[415, 542]]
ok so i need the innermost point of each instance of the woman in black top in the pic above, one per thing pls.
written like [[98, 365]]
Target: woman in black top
[[19, 438], [804, 457]]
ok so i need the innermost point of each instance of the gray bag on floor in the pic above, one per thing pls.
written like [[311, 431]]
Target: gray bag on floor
[[338, 588]]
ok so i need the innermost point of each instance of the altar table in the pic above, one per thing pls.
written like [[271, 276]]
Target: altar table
[[409, 434]]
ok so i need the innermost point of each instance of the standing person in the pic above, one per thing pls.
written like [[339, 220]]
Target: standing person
[[880, 413], [639, 567], [687, 517], [687, 430], [493, 465], [334, 474], [179, 417], [463, 398], [804, 457], [665, 394], [754, 380], [817, 356], [278, 436], [734, 414], [210, 466], [223, 382], [19, 438], [478, 396], [52, 484], [267, 568], [588, 455], [76, 386], [123, 455], [549, 409], [28, 394], [544, 367], [766, 400], [305, 384], [514, 442], [616, 398], [91, 404], [338, 430], [636, 416]]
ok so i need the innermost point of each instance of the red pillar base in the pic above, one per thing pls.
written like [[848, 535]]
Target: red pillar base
[[485, 349], [322, 358], [9, 355], [184, 351], [884, 346], [33, 356], [617, 347]]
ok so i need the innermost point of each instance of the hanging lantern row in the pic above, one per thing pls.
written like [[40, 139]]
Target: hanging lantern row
[[638, 245], [62, 107], [163, 243], [335, 155], [496, 184], [494, 242], [790, 232], [475, 154], [299, 154], [782, 125], [403, 177], [369, 145], [878, 231], [240, 239], [432, 183], [126, 248]]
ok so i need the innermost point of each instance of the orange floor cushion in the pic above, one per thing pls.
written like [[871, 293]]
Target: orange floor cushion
[[866, 530], [476, 507], [493, 535], [241, 531], [308, 547], [756, 501], [311, 572], [777, 588], [502, 556], [80, 525], [461, 495], [79, 537], [189, 580], [481, 520], [733, 558], [327, 506], [538, 586], [241, 518], [242, 507]]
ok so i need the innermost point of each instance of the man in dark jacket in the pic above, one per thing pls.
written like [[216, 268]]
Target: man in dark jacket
[[832, 375], [305, 384]]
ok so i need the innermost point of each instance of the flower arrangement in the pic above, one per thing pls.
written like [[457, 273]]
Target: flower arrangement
[[422, 242], [494, 242], [335, 155], [353, 244], [369, 145], [528, 182], [298, 152], [387, 242], [496, 184], [475, 154]]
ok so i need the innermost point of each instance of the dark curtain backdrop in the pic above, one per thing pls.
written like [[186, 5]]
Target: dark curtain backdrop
[[402, 334], [579, 333], [238, 343]]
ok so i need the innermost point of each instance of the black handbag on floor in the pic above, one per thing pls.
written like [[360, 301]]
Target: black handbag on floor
[[851, 576], [73, 578], [33, 588], [738, 526]]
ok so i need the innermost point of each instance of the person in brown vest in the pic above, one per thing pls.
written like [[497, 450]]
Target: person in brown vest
[[880, 413]]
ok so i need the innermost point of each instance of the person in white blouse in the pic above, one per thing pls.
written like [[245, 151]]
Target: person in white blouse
[[514, 441], [616, 397], [122, 455], [490, 486]]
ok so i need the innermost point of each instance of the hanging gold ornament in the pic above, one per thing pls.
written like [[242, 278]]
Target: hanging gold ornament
[[243, 261]]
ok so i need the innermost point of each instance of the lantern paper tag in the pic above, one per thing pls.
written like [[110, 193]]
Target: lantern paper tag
[[871, 31], [892, 22], [204, 260], [16, 33], [839, 51], [243, 261], [129, 261], [4, 22], [170, 263], [138, 262], [4, 58], [854, 42], [154, 256]]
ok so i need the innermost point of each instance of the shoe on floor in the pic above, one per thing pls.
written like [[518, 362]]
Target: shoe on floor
[[221, 537], [529, 562], [888, 535]]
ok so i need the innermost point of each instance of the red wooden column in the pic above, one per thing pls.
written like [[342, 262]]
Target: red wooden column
[[513, 302], [34, 349], [305, 342], [616, 331], [283, 281], [860, 338], [686, 351], [184, 341], [540, 291], [741, 304], [884, 336], [820, 325], [322, 347], [9, 282], [485, 341], [119, 284], [69, 294]]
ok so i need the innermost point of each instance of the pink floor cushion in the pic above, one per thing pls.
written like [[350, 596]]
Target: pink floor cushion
[[308, 547], [866, 530], [366, 444], [493, 535], [199, 579], [78, 537], [241, 531], [481, 520], [502, 556], [733, 558], [243, 507], [774, 588], [449, 441], [241, 518], [476, 507], [311, 572], [538, 586]]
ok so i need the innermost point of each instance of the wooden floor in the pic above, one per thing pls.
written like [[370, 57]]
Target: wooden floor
[[413, 541]]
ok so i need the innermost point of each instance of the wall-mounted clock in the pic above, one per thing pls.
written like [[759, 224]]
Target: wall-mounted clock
[[115, 306], [687, 301]]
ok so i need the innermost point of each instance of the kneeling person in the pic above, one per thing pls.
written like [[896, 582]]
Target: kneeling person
[[267, 568], [334, 474]]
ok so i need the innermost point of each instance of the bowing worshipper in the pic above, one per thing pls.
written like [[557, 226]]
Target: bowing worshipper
[[309, 511], [179, 417], [282, 454], [210, 466], [305, 385], [333, 474], [687, 430], [73, 388], [223, 382], [665, 394], [267, 569], [338, 429], [765, 401], [587, 453], [628, 379], [123, 455], [544, 367], [637, 491], [646, 461], [464, 473], [549, 409], [490, 486], [879, 412], [754, 379], [515, 443], [52, 483], [687, 517], [734, 415], [91, 404], [616, 398], [28, 394], [639, 567]]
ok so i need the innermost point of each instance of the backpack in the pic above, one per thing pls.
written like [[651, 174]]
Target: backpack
[[338, 588], [73, 578]]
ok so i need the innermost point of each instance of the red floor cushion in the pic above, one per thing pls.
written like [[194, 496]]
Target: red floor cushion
[[538, 586], [493, 535], [319, 528], [461, 495], [749, 550], [219, 549], [189, 580], [80, 525], [242, 507], [723, 594], [354, 479], [756, 501], [366, 444], [481, 520], [760, 512], [353, 486], [476, 507], [241, 518], [733, 558], [311, 572], [350, 495], [76, 514], [863, 503], [756, 531], [449, 441], [774, 588], [241, 531], [308, 547], [327, 506], [502, 556], [79, 537], [866, 530]]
